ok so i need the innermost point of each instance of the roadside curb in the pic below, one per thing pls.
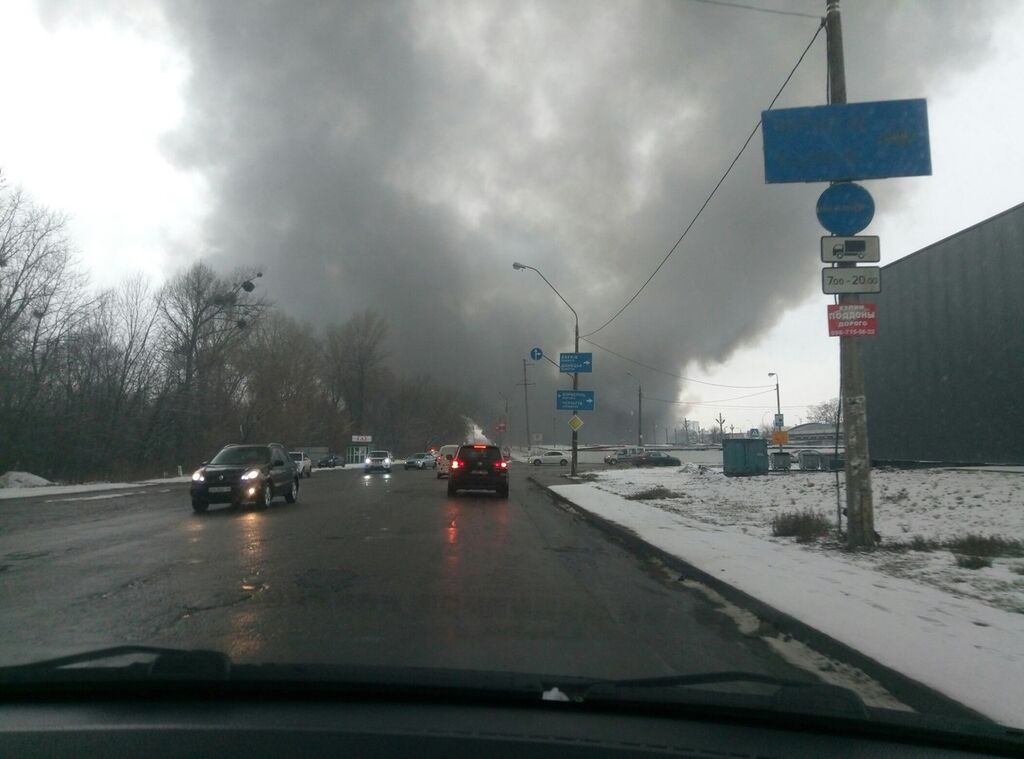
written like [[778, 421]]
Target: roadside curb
[[917, 695]]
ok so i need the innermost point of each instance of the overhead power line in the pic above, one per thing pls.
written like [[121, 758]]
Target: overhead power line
[[708, 403], [674, 375], [742, 6], [714, 190]]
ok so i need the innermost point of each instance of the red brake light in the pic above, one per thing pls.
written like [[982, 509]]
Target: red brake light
[[455, 464], [480, 447], [502, 465]]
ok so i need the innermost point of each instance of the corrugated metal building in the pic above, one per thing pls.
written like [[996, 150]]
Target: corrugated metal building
[[945, 374]]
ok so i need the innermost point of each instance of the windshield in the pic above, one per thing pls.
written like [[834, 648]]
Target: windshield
[[243, 454], [730, 299]]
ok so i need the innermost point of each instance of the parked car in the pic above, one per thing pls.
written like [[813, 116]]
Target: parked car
[[378, 461], [624, 455], [478, 467], [656, 458], [330, 461], [303, 463], [558, 458], [421, 461], [245, 475], [444, 457]]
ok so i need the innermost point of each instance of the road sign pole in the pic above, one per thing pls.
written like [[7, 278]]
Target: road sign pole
[[859, 505], [575, 386]]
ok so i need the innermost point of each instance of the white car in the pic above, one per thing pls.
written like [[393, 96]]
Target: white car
[[558, 458], [378, 461], [421, 461], [303, 463], [444, 458]]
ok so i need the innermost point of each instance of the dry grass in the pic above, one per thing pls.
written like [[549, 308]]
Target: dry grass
[[805, 526]]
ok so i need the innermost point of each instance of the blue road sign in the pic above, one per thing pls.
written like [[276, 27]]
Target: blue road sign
[[845, 209], [536, 354], [832, 143], [574, 400], [575, 362]]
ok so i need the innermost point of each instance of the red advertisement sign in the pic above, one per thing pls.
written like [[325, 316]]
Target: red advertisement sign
[[852, 320]]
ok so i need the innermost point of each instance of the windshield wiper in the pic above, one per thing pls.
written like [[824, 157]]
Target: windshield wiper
[[790, 695], [169, 663]]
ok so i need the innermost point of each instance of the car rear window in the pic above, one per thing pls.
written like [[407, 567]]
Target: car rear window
[[479, 454], [379, 454], [296, 457]]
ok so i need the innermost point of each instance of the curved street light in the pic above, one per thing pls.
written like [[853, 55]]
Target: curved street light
[[576, 333]]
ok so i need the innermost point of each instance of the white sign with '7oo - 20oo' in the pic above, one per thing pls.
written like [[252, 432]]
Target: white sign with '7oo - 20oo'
[[855, 279]]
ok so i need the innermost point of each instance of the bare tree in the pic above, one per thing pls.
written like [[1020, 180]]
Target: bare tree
[[354, 356], [203, 317], [826, 412]]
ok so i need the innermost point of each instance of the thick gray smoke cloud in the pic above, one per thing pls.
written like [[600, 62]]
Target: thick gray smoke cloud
[[401, 155]]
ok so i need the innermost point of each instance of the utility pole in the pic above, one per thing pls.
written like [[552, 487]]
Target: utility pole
[[506, 435], [721, 424], [777, 426], [526, 403], [860, 512], [639, 415]]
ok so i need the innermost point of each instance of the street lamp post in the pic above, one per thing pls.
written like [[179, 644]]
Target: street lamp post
[[576, 343]]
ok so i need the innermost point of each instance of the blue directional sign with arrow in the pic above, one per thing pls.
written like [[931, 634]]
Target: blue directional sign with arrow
[[575, 362], [536, 354], [574, 400]]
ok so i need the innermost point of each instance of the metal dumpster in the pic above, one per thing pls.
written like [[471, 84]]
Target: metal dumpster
[[810, 461], [782, 461], [744, 457]]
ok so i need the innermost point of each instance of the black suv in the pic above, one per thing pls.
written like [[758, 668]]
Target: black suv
[[245, 475], [478, 467]]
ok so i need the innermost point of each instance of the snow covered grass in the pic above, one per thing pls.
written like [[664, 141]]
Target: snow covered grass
[[928, 519], [959, 631]]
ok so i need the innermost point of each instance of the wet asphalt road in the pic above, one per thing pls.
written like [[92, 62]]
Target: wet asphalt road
[[362, 570]]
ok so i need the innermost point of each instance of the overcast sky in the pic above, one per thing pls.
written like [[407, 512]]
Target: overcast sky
[[401, 156]]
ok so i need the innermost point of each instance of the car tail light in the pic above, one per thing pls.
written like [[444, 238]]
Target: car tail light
[[480, 447], [501, 465], [456, 464]]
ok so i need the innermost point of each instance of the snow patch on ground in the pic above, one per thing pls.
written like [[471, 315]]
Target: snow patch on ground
[[958, 645], [22, 480], [934, 504]]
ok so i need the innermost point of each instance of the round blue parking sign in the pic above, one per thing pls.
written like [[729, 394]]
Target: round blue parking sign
[[845, 209], [536, 354]]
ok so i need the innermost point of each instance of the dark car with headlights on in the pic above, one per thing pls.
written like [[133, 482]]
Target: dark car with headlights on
[[478, 467], [245, 475]]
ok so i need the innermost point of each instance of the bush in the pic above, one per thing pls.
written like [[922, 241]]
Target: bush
[[921, 543], [1017, 569], [985, 545], [653, 494], [973, 562], [805, 526]]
